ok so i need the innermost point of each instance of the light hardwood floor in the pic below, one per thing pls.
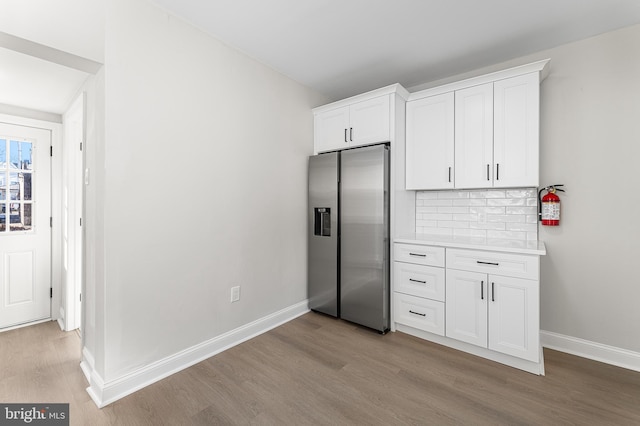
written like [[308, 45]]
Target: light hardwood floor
[[316, 370]]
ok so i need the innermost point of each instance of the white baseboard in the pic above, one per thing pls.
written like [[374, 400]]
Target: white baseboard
[[596, 351], [105, 392], [87, 364]]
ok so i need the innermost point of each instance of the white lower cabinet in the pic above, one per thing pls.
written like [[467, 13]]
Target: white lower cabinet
[[494, 312], [423, 314], [475, 298], [419, 287]]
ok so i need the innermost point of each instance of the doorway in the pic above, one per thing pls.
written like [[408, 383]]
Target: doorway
[[25, 224]]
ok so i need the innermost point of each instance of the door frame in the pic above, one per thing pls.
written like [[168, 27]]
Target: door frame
[[72, 154], [56, 203]]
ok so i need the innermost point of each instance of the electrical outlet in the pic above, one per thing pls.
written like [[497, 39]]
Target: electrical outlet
[[235, 293]]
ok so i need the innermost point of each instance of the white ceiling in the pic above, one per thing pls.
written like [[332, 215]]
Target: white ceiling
[[54, 27], [344, 47], [337, 47]]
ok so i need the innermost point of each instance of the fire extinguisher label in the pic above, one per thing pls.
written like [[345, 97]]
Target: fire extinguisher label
[[550, 211]]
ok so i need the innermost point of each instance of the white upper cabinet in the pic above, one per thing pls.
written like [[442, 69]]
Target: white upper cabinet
[[516, 113], [331, 130], [360, 123], [488, 124], [474, 136], [369, 121], [430, 143]]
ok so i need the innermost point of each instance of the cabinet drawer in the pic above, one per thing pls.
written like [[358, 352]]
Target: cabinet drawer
[[422, 255], [423, 314], [419, 280], [506, 264]]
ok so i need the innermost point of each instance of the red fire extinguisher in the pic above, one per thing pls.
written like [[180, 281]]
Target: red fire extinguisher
[[550, 206]]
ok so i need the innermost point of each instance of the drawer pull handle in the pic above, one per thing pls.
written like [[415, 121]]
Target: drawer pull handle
[[417, 254], [417, 281], [345, 135], [481, 290], [487, 263], [417, 313]]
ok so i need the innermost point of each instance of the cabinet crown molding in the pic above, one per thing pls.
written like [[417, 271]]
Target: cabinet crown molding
[[393, 88], [540, 67]]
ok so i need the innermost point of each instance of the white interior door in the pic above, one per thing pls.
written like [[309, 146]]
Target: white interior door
[[25, 232]]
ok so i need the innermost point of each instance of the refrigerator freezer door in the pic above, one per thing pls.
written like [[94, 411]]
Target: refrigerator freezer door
[[323, 234], [364, 239]]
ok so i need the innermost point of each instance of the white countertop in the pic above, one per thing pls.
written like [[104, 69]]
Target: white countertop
[[536, 247]]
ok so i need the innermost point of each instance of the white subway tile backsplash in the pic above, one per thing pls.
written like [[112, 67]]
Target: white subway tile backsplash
[[470, 202], [486, 213], [522, 210], [507, 235], [507, 202], [495, 194], [488, 225], [526, 227], [452, 224], [465, 217], [487, 210], [506, 218], [437, 216], [462, 232], [437, 203], [453, 194], [426, 223], [522, 193], [455, 210], [478, 194], [427, 195], [435, 231], [426, 210]]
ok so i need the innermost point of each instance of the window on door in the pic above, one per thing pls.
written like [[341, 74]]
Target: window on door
[[16, 171]]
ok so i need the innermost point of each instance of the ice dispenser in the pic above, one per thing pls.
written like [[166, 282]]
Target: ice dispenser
[[322, 221]]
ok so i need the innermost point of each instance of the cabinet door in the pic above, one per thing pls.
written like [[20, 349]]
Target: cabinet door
[[369, 121], [466, 307], [474, 137], [516, 131], [331, 130], [429, 153], [514, 317]]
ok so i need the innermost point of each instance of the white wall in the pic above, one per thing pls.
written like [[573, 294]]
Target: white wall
[[590, 141], [205, 187]]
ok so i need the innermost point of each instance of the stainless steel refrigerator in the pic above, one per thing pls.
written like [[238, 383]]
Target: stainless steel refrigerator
[[349, 235]]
